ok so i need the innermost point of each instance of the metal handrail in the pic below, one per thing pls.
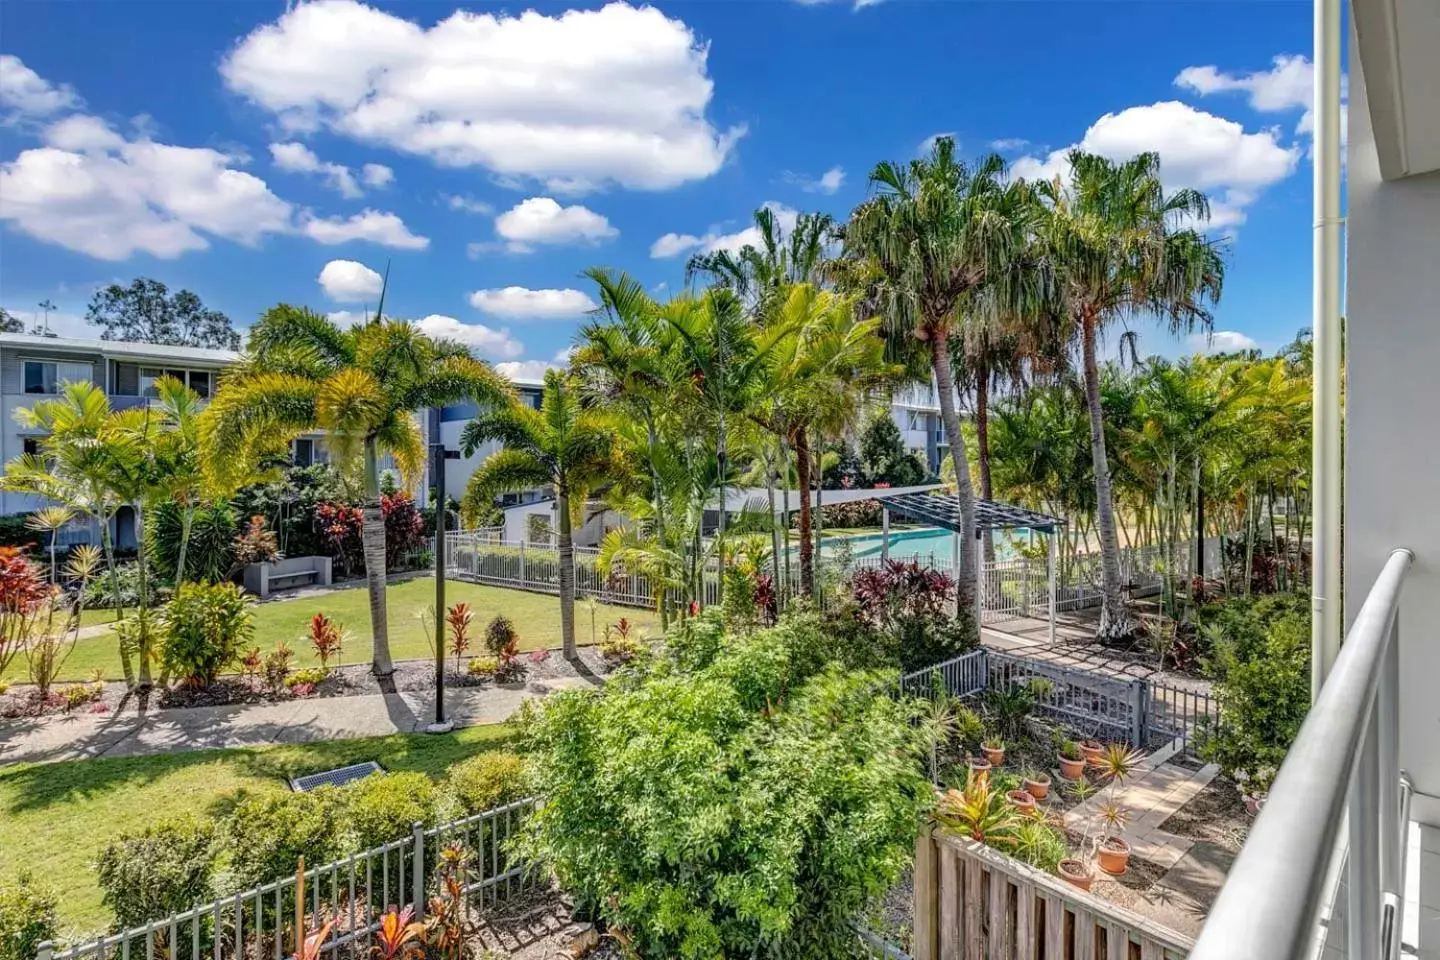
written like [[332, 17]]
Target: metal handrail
[[1344, 754]]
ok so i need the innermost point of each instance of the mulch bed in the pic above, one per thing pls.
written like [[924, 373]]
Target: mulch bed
[[1215, 815], [345, 681]]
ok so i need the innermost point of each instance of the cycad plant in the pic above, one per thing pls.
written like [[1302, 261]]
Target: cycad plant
[[563, 446], [361, 386]]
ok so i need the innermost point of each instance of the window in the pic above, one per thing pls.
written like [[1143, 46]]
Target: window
[[31, 446], [302, 453], [200, 383], [46, 376], [915, 422]]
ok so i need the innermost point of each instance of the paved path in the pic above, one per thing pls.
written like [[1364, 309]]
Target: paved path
[[1075, 646], [250, 725]]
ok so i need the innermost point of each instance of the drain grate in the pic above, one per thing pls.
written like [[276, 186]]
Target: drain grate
[[334, 778]]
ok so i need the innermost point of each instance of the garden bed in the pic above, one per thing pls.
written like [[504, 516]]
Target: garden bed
[[347, 681]]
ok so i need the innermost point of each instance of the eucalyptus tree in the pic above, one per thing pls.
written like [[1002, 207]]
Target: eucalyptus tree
[[1122, 249], [563, 446], [359, 385], [938, 237]]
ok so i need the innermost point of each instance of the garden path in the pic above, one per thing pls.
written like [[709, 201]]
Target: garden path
[[79, 736]]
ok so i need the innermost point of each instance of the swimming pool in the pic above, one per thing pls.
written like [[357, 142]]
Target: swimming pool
[[922, 543]]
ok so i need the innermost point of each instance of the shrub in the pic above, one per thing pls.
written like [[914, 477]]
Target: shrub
[[256, 544], [404, 528], [384, 806], [210, 557], [327, 638], [500, 637], [749, 808], [1263, 684], [102, 591], [484, 782], [203, 630], [266, 835], [276, 667], [163, 869], [24, 602], [483, 667], [620, 642], [340, 526], [288, 505], [459, 619], [27, 917], [905, 612], [307, 675]]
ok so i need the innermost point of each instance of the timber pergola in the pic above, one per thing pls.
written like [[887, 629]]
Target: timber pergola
[[943, 510]]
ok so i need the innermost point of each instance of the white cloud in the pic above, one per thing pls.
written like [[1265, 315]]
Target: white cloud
[[61, 324], [534, 369], [298, 158], [119, 197], [27, 93], [348, 281], [386, 229], [858, 4], [674, 244], [1007, 144], [476, 336], [542, 220], [1220, 341], [1288, 85], [467, 204], [522, 303], [377, 175], [348, 318], [575, 101], [1197, 149], [827, 183]]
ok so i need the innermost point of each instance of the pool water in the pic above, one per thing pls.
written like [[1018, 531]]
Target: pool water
[[923, 543]]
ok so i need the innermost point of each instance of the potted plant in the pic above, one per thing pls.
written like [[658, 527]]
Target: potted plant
[[979, 770], [1112, 851], [994, 749], [1072, 761], [1091, 751], [1022, 801], [1254, 786], [979, 813], [1076, 872], [1035, 783]]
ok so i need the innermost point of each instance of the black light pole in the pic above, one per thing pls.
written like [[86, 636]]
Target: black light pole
[[438, 456]]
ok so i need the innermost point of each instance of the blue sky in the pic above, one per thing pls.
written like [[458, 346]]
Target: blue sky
[[491, 154]]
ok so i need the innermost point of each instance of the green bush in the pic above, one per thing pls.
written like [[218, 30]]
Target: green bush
[[385, 806], [482, 783], [211, 553], [161, 870], [101, 591], [204, 630], [694, 642], [749, 808], [264, 837], [27, 917], [1261, 664]]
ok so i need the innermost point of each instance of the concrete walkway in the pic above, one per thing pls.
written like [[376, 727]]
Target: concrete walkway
[[251, 725]]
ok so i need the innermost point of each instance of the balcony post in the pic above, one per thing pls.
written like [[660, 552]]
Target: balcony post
[[1363, 872], [1387, 716]]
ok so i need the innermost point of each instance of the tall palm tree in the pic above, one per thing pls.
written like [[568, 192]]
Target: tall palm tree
[[1121, 249], [302, 372], [826, 366], [563, 446], [939, 240], [180, 473]]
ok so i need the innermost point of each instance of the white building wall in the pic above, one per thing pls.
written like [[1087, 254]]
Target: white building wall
[[1392, 484]]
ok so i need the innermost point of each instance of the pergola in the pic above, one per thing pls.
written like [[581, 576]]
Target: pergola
[[943, 510]]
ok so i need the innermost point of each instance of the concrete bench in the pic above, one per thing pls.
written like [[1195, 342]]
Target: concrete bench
[[262, 579]]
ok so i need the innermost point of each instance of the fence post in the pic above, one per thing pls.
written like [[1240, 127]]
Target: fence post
[[46, 950], [417, 871], [522, 563], [1140, 712]]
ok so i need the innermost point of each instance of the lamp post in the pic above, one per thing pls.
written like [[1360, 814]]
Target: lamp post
[[438, 456]]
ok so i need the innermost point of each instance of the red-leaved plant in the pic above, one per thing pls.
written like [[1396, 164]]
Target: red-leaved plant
[[326, 638], [399, 935], [24, 598], [459, 619]]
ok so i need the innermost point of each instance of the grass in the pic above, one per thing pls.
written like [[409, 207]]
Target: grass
[[536, 618], [55, 817]]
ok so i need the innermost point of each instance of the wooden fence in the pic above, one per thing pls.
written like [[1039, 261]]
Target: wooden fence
[[972, 903]]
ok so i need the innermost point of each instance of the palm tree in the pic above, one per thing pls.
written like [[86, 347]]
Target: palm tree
[[939, 240], [563, 446], [51, 520], [180, 473], [302, 372], [826, 366], [1120, 249]]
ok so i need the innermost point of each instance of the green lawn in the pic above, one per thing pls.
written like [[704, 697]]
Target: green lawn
[[55, 817], [536, 618]]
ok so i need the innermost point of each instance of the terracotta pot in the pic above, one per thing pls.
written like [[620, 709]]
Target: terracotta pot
[[1077, 873], [1021, 801], [979, 770], [1253, 805], [1114, 856], [1072, 769], [1092, 750], [1038, 787], [996, 755]]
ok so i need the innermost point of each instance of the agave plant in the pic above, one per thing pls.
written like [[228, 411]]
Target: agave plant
[[981, 813]]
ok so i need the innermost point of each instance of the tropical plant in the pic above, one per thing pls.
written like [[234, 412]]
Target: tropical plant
[[361, 385], [276, 667], [1121, 247], [327, 639], [256, 544], [204, 629], [447, 927], [981, 813], [399, 935], [51, 520], [937, 241], [459, 618], [53, 633], [561, 446], [25, 597], [210, 555], [29, 916]]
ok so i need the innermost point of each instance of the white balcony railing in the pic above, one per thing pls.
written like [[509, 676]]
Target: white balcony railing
[[1346, 754]]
